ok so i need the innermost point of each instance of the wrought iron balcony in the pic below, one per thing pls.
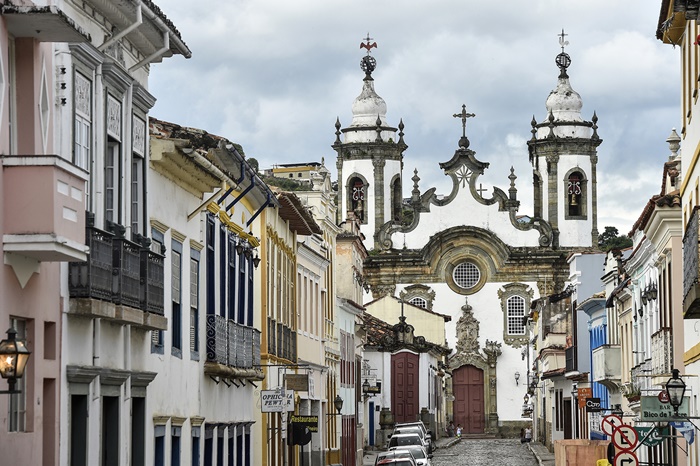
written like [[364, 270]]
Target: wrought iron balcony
[[233, 350], [661, 351], [691, 287], [281, 340], [607, 364], [121, 280]]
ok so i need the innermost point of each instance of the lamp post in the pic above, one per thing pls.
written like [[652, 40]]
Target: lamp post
[[13, 359], [675, 388]]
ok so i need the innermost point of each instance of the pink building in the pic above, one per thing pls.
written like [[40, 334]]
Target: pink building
[[75, 237]]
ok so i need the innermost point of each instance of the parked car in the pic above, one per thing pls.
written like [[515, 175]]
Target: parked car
[[414, 429], [397, 462], [402, 440], [421, 426], [420, 454], [393, 454]]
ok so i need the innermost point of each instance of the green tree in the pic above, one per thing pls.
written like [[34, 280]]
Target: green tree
[[611, 239], [254, 164]]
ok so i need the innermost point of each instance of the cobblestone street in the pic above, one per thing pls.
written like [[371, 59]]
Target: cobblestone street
[[491, 452]]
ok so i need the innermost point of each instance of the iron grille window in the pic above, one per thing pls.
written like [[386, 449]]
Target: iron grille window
[[466, 275], [516, 312], [420, 302]]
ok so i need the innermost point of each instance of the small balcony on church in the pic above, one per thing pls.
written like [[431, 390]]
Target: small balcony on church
[[121, 280], [691, 285], [233, 351], [43, 210], [606, 368]]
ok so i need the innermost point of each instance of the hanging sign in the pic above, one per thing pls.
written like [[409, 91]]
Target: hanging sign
[[654, 410], [583, 394], [593, 405], [651, 439], [276, 401]]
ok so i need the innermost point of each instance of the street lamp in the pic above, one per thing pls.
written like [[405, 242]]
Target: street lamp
[[13, 359], [517, 377], [675, 387], [338, 403]]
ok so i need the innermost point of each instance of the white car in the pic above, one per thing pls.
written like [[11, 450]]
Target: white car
[[415, 429], [420, 454], [427, 433], [403, 440]]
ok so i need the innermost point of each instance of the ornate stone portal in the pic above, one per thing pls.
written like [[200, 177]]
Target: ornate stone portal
[[468, 353]]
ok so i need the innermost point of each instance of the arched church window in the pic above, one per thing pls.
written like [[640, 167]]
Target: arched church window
[[576, 195], [516, 311], [466, 275], [420, 302], [357, 198], [396, 199]]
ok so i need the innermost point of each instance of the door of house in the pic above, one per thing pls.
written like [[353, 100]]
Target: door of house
[[404, 387], [468, 407], [568, 424]]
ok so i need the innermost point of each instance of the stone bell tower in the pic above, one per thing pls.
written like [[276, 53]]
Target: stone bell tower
[[563, 153], [370, 158]]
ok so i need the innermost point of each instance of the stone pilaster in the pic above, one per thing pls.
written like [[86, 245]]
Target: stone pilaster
[[378, 165]]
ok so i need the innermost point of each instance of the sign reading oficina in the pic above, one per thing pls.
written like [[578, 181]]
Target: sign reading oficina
[[654, 410], [276, 401]]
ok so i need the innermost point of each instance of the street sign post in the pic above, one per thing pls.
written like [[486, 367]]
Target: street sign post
[[626, 458], [624, 437], [609, 423]]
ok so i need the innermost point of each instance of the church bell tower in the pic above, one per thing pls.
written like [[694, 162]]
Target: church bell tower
[[563, 153], [370, 158]]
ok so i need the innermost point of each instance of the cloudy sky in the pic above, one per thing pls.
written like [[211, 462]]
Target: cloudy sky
[[273, 75]]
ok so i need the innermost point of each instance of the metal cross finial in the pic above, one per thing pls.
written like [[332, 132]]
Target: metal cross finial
[[368, 45], [563, 43], [464, 115]]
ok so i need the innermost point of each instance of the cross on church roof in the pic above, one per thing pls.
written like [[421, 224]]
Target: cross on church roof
[[368, 45], [562, 42], [464, 115]]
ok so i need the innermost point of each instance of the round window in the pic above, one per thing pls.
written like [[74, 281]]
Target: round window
[[466, 275]]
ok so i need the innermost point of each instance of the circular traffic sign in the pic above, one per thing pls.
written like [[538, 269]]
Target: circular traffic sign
[[609, 422], [626, 458], [663, 396], [624, 437]]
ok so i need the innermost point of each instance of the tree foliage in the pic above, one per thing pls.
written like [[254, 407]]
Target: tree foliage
[[611, 239]]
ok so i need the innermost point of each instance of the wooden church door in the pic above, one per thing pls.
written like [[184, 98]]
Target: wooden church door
[[468, 407], [404, 387]]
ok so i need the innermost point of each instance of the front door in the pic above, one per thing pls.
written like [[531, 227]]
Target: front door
[[404, 387], [468, 407]]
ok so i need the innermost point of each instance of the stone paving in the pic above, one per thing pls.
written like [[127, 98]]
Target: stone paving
[[488, 452]]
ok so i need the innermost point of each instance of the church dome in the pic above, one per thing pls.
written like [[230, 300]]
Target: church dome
[[564, 102], [368, 106]]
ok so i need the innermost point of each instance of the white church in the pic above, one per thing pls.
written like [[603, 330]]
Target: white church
[[469, 254]]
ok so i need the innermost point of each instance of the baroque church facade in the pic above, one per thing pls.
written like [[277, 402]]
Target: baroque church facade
[[484, 269]]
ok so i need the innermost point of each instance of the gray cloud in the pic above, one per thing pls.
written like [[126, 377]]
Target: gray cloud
[[273, 76]]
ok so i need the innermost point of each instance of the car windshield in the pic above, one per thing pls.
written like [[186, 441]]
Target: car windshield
[[407, 440], [417, 453], [409, 430], [393, 454]]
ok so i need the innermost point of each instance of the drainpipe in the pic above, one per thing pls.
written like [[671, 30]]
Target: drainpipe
[[166, 41], [139, 21], [154, 55]]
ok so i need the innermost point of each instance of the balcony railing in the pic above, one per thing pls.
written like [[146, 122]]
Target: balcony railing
[[281, 340], [119, 271], [606, 363], [232, 344], [691, 289], [661, 351]]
